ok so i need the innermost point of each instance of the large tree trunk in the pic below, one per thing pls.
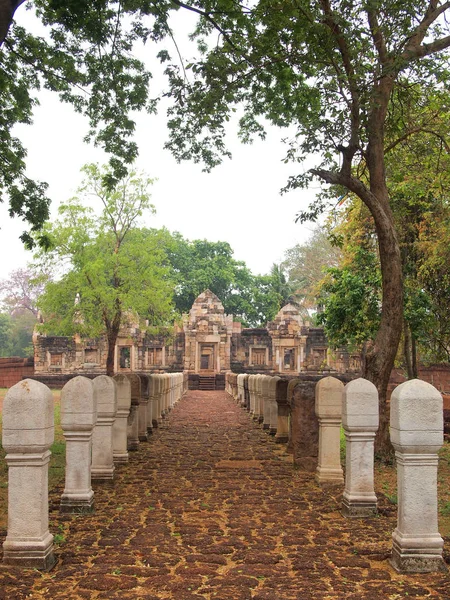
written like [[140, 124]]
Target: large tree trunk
[[112, 333], [381, 357], [112, 339]]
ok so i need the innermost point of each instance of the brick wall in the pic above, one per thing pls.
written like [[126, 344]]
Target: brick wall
[[13, 369]]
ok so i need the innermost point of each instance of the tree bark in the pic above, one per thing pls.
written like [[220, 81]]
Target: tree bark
[[112, 339], [7, 10], [407, 350], [381, 357]]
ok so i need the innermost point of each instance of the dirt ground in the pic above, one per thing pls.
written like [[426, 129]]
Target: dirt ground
[[212, 508]]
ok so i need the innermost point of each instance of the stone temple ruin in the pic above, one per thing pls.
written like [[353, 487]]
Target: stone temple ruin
[[206, 345]]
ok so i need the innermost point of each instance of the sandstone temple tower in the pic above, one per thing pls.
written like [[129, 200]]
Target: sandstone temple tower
[[208, 332]]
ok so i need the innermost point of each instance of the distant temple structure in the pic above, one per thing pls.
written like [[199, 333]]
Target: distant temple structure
[[208, 344]]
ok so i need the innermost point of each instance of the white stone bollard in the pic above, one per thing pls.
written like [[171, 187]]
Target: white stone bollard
[[78, 417], [28, 433], [105, 394], [120, 450], [328, 409], [360, 422], [273, 406], [417, 434], [240, 385], [152, 402], [265, 401], [145, 426], [133, 418], [158, 398], [251, 391]]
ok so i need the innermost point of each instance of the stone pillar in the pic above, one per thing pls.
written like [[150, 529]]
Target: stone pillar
[[329, 412], [105, 395], [133, 418], [360, 422], [304, 425], [164, 395], [150, 400], [273, 406], [246, 393], [283, 410], [153, 404], [417, 434], [157, 415], [120, 450], [144, 427], [258, 414], [78, 417], [28, 433], [240, 389], [265, 383], [251, 392]]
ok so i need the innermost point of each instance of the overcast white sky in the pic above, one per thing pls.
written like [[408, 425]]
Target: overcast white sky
[[239, 202]]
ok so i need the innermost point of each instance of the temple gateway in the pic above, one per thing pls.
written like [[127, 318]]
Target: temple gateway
[[207, 344]]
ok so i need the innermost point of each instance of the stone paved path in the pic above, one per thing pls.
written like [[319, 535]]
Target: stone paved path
[[211, 508]]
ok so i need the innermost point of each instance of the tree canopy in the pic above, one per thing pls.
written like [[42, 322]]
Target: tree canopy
[[197, 265], [87, 56], [330, 70], [111, 269]]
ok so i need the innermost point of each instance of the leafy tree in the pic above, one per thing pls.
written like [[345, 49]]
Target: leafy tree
[[329, 69], [21, 291], [198, 265], [112, 270], [306, 264], [86, 58], [5, 334]]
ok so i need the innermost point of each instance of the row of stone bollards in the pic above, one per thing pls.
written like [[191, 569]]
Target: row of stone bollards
[[416, 431], [102, 420]]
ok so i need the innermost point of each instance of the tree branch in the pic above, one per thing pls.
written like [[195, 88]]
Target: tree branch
[[208, 17], [377, 35], [413, 132]]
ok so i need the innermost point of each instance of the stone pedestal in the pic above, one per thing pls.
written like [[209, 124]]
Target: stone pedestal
[[133, 417], [417, 434], [120, 450], [144, 427], [273, 406], [78, 417], [105, 394], [360, 422], [304, 425], [265, 401], [150, 405], [28, 433], [328, 409], [283, 411], [252, 393]]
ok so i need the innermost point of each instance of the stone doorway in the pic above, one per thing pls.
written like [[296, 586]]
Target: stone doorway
[[207, 358]]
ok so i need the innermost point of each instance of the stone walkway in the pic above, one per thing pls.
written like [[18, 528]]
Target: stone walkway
[[211, 508]]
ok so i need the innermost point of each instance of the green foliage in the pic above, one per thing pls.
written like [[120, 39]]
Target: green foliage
[[113, 269], [86, 57], [306, 264], [200, 264], [5, 334], [351, 300]]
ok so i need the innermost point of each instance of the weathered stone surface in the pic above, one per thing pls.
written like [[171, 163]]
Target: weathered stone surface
[[328, 407], [162, 530], [360, 422], [417, 435], [105, 394], [78, 418], [120, 450], [304, 425], [28, 432]]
